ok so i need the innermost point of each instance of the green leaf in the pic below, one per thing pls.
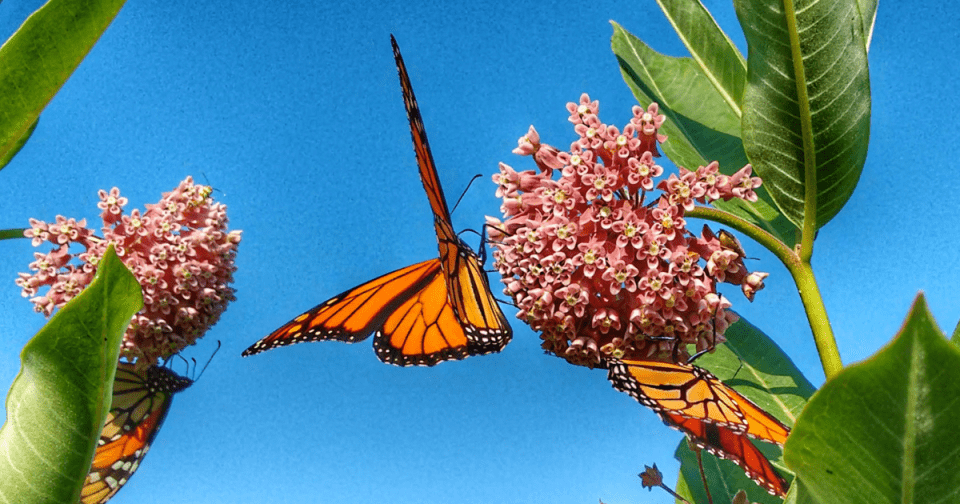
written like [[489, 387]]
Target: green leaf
[[58, 402], [885, 430], [6, 158], [703, 115], [806, 120], [38, 59], [716, 55]]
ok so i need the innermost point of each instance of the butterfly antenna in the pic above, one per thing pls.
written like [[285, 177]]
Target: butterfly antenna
[[464, 193], [209, 184], [166, 362], [713, 343], [208, 361], [482, 253]]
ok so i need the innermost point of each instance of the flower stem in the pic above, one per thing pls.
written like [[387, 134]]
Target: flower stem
[[803, 277], [817, 316], [6, 234]]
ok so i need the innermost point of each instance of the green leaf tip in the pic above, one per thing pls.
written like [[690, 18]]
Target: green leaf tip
[[884, 430]]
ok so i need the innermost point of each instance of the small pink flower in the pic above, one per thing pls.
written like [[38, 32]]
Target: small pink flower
[[179, 249], [599, 264], [111, 203], [753, 283]]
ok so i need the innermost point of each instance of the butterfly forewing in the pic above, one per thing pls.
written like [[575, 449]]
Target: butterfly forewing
[[353, 315], [474, 305], [428, 170], [485, 325], [695, 393]]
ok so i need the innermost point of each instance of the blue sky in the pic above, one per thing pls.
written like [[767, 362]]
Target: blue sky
[[294, 114]]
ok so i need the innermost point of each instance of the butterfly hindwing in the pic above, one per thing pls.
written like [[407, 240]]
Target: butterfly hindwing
[[730, 445], [423, 330], [141, 400]]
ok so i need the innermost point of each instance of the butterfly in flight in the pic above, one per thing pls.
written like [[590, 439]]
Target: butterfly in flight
[[141, 400], [433, 311], [713, 415]]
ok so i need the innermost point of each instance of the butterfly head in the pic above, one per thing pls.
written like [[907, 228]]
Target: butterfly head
[[162, 380]]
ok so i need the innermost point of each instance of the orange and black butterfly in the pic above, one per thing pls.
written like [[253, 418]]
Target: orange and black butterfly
[[141, 400], [713, 415], [436, 310], [693, 392]]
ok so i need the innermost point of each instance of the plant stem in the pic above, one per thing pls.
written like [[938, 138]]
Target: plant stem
[[803, 277], [6, 234], [817, 316]]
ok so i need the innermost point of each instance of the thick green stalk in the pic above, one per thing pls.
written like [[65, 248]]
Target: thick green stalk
[[803, 277], [817, 316]]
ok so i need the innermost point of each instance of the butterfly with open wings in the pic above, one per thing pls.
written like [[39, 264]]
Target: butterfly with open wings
[[433, 311]]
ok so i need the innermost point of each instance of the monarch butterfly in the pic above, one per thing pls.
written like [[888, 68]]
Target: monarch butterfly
[[432, 311], [141, 400], [695, 393], [731, 445], [714, 416]]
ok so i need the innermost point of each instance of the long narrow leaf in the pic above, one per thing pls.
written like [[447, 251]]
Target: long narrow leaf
[[39, 58], [8, 156], [714, 52]]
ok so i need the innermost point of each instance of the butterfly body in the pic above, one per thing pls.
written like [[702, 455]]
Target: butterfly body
[[433, 311], [141, 400]]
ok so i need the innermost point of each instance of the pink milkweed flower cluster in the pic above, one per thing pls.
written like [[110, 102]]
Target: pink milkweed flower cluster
[[179, 250], [595, 268]]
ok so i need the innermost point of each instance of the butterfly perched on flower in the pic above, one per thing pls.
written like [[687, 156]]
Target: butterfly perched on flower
[[713, 415], [433, 311], [141, 400]]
